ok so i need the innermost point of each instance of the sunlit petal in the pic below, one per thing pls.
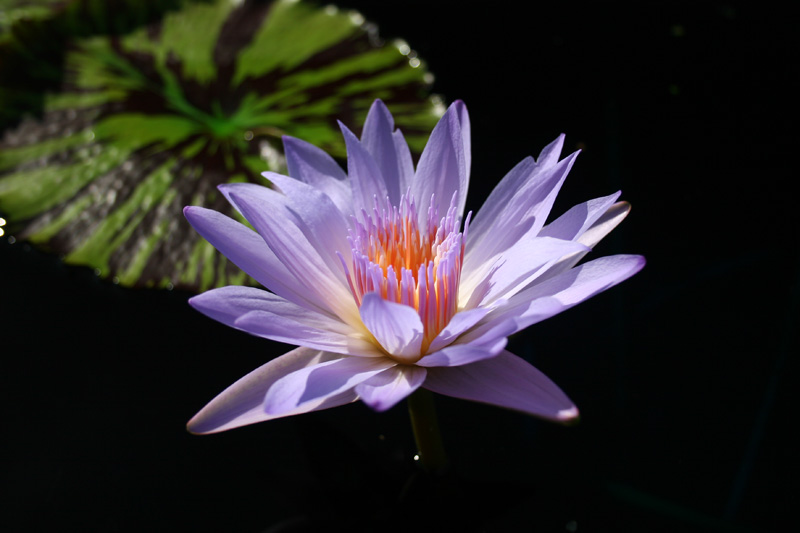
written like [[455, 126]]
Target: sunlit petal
[[319, 383], [396, 327], [243, 402], [384, 390], [506, 381]]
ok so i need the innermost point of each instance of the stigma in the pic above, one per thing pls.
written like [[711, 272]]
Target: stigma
[[409, 260]]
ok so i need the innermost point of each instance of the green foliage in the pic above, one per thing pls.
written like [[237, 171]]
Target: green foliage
[[150, 119]]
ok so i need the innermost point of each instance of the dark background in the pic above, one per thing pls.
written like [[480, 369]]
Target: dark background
[[684, 374]]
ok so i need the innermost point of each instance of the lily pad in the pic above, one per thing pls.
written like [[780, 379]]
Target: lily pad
[[148, 122]]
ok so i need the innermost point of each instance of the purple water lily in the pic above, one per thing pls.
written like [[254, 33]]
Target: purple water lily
[[373, 275]]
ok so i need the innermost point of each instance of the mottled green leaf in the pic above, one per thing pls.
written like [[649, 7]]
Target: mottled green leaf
[[147, 122]]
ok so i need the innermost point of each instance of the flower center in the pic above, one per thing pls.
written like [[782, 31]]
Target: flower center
[[409, 263]]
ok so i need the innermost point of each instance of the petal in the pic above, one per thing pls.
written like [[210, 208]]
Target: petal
[[496, 205], [557, 294], [506, 381], [247, 250], [520, 209], [314, 213], [514, 268], [389, 151], [305, 246], [443, 168], [605, 223], [385, 390], [319, 383], [282, 326], [460, 323], [599, 225], [396, 327], [243, 402], [466, 142], [404, 161], [526, 172], [267, 315], [583, 282], [314, 166], [228, 304], [463, 354], [366, 179], [490, 330], [578, 219], [550, 153]]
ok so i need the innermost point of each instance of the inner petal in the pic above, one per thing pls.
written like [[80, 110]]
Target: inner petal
[[407, 261]]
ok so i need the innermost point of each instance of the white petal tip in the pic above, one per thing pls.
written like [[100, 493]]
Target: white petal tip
[[568, 416]]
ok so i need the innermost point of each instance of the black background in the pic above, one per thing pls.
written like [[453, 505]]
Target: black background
[[684, 374]]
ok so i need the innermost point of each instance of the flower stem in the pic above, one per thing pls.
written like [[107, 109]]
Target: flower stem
[[426, 431]]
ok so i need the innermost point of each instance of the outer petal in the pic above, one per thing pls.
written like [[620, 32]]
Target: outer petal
[[267, 315], [463, 354], [523, 176], [523, 215], [557, 294], [502, 324], [550, 153], [460, 323], [314, 166], [228, 304], [404, 161], [313, 212], [249, 252], [595, 227], [282, 326], [514, 268], [317, 384], [584, 281], [466, 142], [603, 225], [396, 327], [506, 381], [389, 151], [443, 168], [366, 179], [243, 402], [579, 218], [302, 243], [386, 389]]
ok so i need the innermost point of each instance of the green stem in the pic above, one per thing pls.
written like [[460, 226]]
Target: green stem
[[426, 431]]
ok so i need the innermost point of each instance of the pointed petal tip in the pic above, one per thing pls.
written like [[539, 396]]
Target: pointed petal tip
[[191, 427], [569, 417], [292, 143], [195, 212], [378, 406], [378, 103], [196, 425], [224, 187], [458, 107], [638, 263]]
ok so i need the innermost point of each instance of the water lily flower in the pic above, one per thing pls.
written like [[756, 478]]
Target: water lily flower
[[384, 287]]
